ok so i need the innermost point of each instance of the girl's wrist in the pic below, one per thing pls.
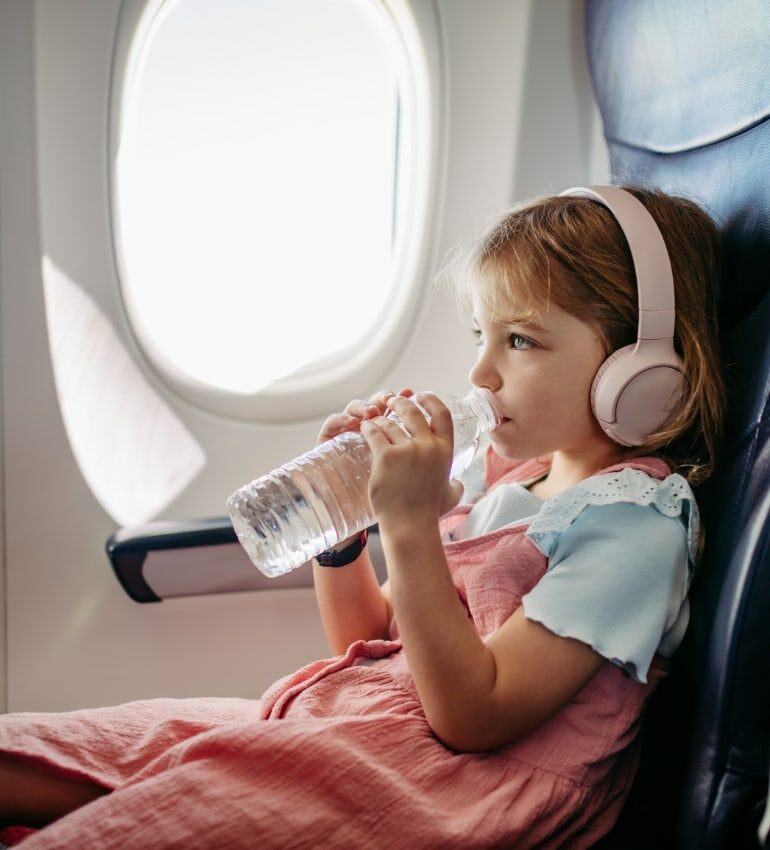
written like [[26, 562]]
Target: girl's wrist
[[408, 528], [412, 553]]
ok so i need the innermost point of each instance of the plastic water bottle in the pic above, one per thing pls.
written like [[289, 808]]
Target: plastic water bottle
[[294, 513]]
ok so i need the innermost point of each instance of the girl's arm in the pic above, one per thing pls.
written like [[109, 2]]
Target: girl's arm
[[351, 603], [476, 695]]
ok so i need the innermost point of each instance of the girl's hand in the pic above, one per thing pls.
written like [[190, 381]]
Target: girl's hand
[[410, 471], [356, 412]]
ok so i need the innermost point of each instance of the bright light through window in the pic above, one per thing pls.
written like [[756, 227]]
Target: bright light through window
[[256, 184]]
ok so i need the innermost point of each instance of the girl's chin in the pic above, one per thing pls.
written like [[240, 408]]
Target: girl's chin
[[508, 443], [502, 436]]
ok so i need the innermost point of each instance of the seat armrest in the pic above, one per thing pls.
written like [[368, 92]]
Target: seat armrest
[[162, 560]]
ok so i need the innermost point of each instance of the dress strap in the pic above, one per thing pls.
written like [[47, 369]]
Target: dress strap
[[654, 466]]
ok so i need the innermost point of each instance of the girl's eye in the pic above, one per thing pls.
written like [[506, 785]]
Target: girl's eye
[[517, 342], [514, 339]]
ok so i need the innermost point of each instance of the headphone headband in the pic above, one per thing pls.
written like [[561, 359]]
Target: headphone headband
[[639, 388], [654, 278]]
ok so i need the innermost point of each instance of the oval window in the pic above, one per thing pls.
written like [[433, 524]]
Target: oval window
[[258, 175]]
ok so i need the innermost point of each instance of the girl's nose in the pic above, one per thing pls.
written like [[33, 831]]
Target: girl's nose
[[483, 375]]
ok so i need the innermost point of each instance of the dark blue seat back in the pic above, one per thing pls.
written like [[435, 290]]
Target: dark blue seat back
[[684, 91]]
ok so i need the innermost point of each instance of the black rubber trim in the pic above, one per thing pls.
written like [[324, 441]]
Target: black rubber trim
[[128, 569], [127, 548]]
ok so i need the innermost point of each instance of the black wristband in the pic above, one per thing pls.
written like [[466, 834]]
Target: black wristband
[[333, 558]]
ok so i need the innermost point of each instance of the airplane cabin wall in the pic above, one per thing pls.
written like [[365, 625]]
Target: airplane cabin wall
[[519, 121]]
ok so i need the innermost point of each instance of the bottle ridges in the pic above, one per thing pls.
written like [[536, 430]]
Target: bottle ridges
[[290, 515]]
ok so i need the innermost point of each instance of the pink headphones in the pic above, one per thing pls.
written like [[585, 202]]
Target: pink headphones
[[639, 387]]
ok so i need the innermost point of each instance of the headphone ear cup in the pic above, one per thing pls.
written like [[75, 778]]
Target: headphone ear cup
[[605, 411], [634, 396]]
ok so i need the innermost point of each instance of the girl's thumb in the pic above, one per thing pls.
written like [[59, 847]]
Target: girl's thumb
[[452, 495]]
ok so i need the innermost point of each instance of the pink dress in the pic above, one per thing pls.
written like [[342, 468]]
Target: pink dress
[[340, 755]]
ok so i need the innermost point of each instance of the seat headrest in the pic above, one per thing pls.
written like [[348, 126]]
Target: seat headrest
[[684, 93]]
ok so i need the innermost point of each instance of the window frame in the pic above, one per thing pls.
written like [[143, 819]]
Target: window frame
[[329, 384]]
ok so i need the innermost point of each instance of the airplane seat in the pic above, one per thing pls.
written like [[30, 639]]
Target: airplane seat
[[684, 93]]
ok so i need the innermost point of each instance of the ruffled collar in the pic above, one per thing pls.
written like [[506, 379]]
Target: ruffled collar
[[641, 481]]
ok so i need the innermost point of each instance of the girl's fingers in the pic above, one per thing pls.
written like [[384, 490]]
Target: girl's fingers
[[376, 405], [373, 435], [394, 430], [357, 411], [408, 412], [337, 424], [440, 416], [380, 399], [361, 409], [380, 433], [391, 431]]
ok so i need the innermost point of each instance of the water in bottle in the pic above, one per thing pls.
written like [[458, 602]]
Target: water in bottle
[[292, 514]]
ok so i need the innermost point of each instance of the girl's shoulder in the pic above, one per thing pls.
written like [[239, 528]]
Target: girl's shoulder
[[646, 482]]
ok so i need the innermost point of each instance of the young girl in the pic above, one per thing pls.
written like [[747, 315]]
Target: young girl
[[489, 694]]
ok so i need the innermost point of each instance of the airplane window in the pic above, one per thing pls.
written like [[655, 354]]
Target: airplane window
[[256, 185]]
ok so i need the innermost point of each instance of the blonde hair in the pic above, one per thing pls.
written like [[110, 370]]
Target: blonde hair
[[572, 252]]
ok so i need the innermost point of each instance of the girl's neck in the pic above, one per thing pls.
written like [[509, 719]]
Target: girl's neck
[[568, 470]]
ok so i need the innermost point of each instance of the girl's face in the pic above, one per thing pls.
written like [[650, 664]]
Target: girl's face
[[541, 377]]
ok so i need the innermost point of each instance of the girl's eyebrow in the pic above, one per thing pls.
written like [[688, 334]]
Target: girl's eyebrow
[[524, 322], [518, 321]]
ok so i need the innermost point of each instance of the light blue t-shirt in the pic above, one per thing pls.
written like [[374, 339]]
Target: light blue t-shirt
[[620, 549]]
